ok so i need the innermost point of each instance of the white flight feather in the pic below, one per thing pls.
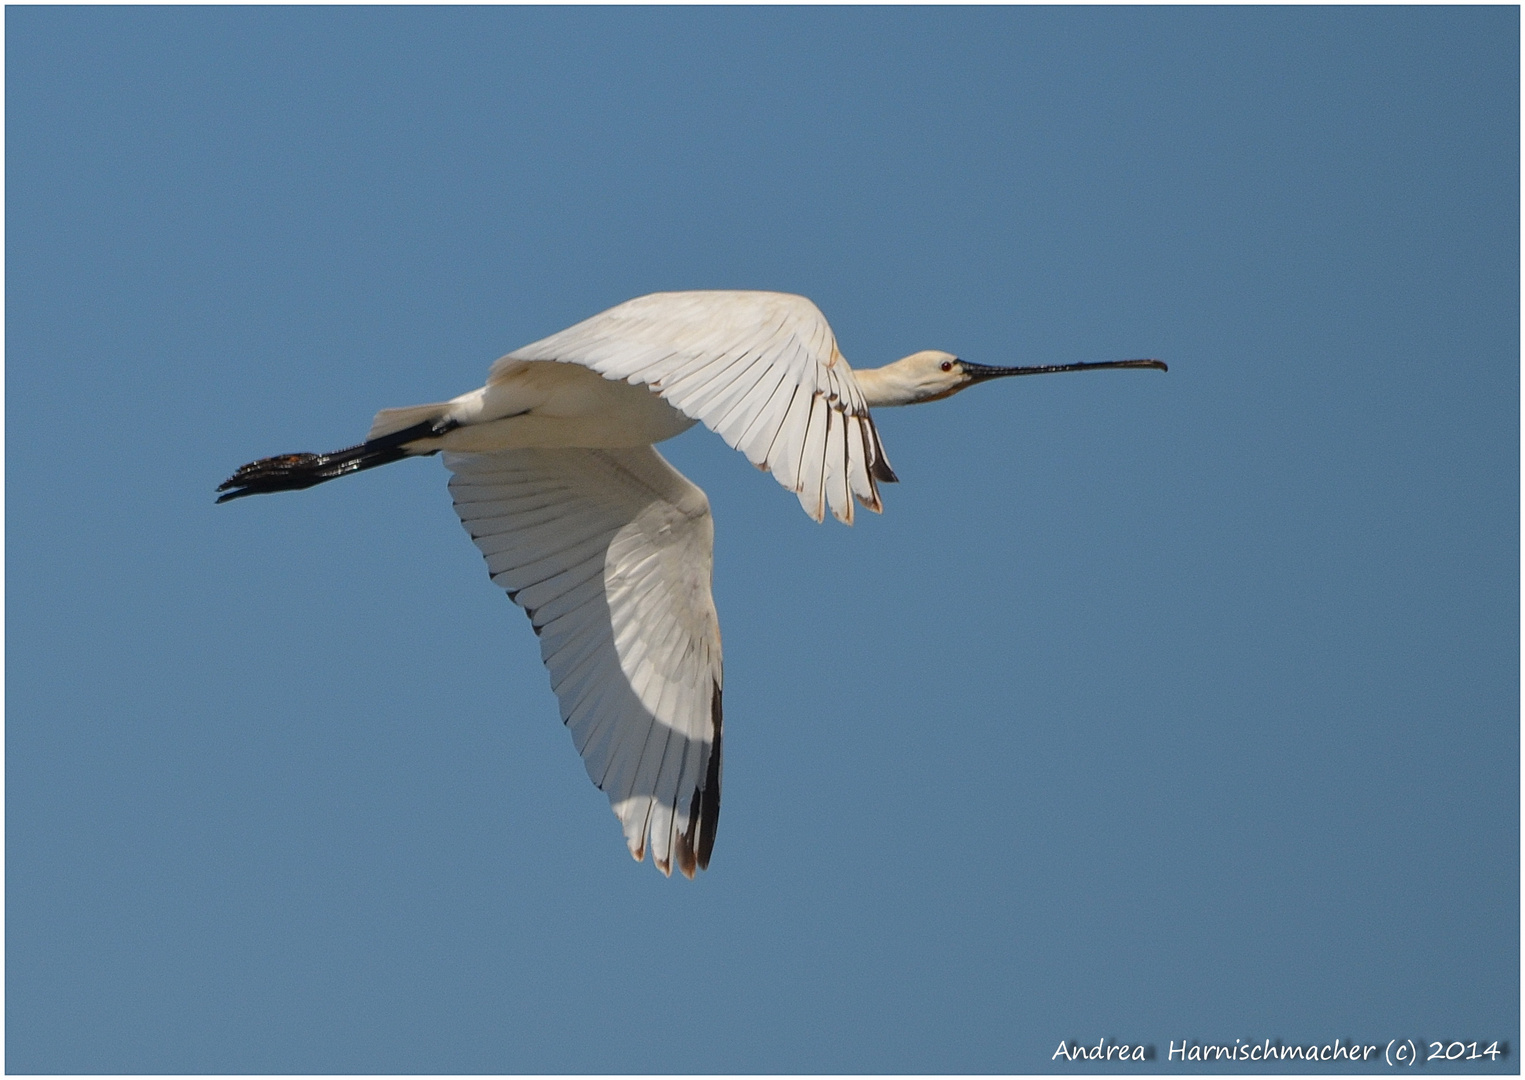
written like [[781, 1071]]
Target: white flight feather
[[711, 355], [610, 552]]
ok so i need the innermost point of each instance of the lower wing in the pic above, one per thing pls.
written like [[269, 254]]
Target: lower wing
[[609, 552]]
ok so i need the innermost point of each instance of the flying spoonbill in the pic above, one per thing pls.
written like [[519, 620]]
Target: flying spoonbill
[[607, 547]]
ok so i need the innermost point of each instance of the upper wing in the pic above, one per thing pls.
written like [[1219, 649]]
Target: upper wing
[[760, 369], [609, 552]]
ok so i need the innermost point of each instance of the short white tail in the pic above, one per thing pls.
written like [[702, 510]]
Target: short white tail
[[391, 420]]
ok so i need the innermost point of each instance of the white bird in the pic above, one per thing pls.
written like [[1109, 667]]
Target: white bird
[[607, 547]]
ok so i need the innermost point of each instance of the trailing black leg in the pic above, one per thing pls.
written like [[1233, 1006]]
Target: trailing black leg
[[293, 472]]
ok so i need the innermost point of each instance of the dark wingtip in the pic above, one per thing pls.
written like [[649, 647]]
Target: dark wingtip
[[704, 809], [709, 806]]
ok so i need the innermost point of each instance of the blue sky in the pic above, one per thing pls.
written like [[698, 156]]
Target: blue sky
[[1155, 707]]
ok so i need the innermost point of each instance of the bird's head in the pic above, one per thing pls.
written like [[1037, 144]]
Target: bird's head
[[931, 375]]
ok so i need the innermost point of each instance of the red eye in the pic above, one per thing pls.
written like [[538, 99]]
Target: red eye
[[947, 365]]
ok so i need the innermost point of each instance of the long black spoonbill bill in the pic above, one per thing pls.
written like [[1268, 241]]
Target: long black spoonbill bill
[[607, 547]]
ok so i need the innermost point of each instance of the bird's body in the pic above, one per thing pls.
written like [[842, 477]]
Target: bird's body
[[607, 547], [548, 405]]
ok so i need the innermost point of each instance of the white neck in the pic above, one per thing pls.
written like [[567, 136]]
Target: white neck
[[886, 385]]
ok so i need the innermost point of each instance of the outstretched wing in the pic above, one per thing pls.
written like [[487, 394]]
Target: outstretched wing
[[760, 369], [609, 552]]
